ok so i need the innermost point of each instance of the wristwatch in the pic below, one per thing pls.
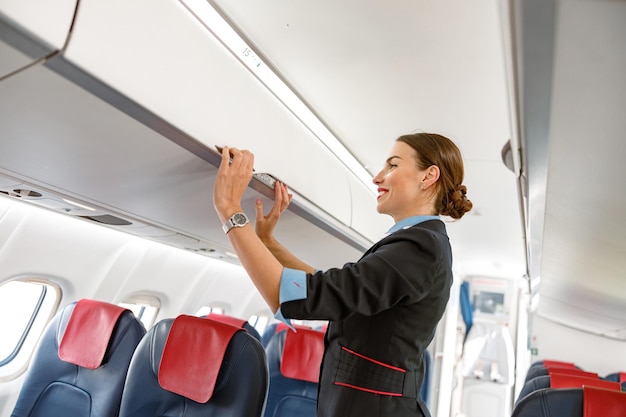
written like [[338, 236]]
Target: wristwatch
[[238, 219]]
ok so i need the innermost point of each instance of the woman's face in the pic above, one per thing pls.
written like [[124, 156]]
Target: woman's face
[[399, 184]]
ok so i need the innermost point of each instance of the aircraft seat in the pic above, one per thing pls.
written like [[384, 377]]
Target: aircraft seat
[[536, 371], [558, 381], [616, 377], [80, 364], [572, 402], [548, 363], [294, 361], [234, 321], [190, 366]]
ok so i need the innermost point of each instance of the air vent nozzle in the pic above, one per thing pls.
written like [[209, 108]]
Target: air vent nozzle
[[20, 192]]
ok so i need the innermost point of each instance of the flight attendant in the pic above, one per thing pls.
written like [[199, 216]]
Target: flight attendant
[[384, 308]]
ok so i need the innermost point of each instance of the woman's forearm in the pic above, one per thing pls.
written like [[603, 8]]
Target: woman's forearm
[[231, 181], [285, 257], [260, 264]]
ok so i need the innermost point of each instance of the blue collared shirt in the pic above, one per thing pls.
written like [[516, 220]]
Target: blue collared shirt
[[409, 222], [293, 282]]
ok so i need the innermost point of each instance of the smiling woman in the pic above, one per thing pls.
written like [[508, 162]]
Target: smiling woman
[[430, 178], [397, 291]]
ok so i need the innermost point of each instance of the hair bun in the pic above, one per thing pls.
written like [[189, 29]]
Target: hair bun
[[457, 203]]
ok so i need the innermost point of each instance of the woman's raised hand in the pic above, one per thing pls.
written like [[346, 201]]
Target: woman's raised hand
[[265, 224], [233, 176]]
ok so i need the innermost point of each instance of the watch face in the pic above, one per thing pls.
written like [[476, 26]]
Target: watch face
[[239, 219]]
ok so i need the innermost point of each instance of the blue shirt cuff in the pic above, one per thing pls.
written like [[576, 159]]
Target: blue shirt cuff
[[292, 287]]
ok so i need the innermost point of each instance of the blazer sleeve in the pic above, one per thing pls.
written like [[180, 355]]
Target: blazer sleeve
[[400, 269]]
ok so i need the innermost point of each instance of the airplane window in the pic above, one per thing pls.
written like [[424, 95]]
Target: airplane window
[[25, 308], [259, 322], [145, 308], [206, 310]]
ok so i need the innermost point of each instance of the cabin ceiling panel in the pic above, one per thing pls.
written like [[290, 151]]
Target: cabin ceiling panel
[[375, 70], [587, 318], [585, 231], [580, 307]]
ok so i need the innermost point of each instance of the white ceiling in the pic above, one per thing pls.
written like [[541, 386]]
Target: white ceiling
[[375, 70]]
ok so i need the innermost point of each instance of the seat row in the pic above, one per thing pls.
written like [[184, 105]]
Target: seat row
[[95, 359], [557, 388]]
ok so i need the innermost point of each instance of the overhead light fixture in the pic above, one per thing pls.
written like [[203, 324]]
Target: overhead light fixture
[[204, 11]]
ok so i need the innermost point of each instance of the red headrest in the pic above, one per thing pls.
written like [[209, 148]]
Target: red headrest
[[88, 332], [558, 364], [222, 318], [568, 371], [575, 381], [192, 356], [302, 355], [598, 402], [622, 377]]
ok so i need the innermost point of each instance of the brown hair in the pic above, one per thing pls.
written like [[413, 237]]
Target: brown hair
[[434, 149]]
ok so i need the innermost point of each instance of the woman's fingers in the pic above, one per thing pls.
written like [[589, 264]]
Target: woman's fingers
[[233, 177], [285, 197], [281, 198], [259, 211]]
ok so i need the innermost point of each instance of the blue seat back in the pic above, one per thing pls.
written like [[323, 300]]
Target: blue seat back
[[268, 334], [240, 389], [551, 403], [533, 385], [287, 396], [572, 402], [560, 381], [54, 387]]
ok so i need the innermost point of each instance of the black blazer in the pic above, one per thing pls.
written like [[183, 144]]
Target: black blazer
[[383, 311]]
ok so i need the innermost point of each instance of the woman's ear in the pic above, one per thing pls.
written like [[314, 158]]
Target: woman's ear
[[431, 175]]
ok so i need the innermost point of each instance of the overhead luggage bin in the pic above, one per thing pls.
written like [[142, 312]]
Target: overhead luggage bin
[[189, 79]]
